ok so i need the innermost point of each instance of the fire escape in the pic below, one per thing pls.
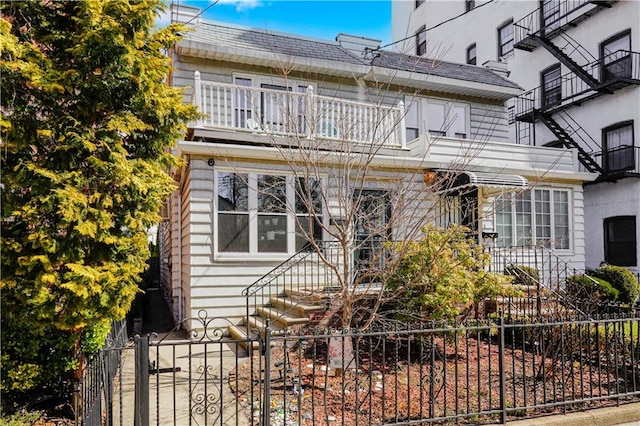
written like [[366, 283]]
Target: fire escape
[[545, 27]]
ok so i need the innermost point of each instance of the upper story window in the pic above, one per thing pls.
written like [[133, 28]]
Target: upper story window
[[263, 213], [419, 3], [618, 147], [421, 41], [469, 4], [551, 82], [550, 10], [535, 217], [615, 57], [437, 117], [620, 246], [471, 54], [505, 39]]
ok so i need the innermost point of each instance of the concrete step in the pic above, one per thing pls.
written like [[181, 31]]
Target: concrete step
[[298, 307], [240, 333], [277, 315], [260, 323]]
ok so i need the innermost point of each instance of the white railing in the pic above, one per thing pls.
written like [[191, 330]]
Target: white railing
[[279, 112]]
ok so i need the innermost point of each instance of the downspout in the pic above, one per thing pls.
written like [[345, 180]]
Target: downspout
[[180, 283]]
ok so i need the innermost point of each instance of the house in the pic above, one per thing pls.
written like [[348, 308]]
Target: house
[[294, 130], [579, 62]]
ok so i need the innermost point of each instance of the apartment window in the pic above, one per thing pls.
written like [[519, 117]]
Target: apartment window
[[511, 115], [421, 41], [469, 4], [471, 54], [620, 246], [436, 117], [550, 10], [536, 217], [505, 39], [263, 213], [615, 57], [419, 3], [551, 83], [618, 147]]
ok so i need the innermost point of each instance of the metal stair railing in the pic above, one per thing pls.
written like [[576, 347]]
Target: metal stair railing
[[305, 271], [551, 274]]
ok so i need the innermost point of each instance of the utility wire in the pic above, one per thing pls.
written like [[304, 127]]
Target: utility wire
[[203, 11], [433, 27]]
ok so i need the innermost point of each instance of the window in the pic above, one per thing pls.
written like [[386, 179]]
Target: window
[[551, 83], [550, 10], [437, 117], [262, 213], [419, 3], [618, 147], [421, 41], [469, 4], [535, 217], [505, 40], [471, 54], [615, 57], [620, 246], [511, 114]]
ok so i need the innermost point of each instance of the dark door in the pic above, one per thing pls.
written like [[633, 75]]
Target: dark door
[[371, 231]]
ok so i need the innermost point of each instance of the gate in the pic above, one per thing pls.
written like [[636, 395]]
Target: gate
[[200, 378]]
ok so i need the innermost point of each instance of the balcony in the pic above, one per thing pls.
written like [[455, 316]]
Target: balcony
[[553, 18], [619, 162], [614, 71], [280, 113]]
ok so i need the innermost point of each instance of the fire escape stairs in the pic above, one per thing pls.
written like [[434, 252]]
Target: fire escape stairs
[[566, 140], [561, 56]]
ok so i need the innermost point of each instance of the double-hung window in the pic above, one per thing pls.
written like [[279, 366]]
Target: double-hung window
[[259, 213], [421, 41], [436, 117], [536, 217], [505, 39], [615, 57], [471, 54], [619, 152], [551, 86], [620, 246]]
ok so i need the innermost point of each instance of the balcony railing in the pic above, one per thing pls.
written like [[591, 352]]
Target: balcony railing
[[613, 71], [288, 113], [619, 160], [550, 19]]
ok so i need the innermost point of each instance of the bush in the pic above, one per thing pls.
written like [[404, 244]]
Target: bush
[[523, 275], [622, 280], [441, 277], [583, 287]]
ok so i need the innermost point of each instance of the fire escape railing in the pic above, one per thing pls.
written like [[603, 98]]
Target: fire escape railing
[[552, 18], [613, 71]]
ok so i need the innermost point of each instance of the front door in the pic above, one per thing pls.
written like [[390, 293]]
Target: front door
[[371, 230]]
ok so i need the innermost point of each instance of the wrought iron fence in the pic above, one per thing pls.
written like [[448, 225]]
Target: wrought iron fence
[[475, 372]]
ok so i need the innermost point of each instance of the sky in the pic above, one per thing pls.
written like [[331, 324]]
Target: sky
[[319, 19]]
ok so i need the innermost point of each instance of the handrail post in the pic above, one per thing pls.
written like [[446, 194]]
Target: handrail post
[[310, 112], [401, 132], [197, 90]]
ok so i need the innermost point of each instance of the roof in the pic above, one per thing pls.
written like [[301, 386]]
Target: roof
[[263, 41]]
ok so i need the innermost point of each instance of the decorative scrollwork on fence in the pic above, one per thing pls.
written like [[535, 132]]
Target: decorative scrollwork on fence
[[205, 329]]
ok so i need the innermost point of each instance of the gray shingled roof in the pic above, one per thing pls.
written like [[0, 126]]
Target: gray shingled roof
[[279, 43]]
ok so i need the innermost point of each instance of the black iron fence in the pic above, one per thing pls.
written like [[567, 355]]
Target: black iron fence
[[478, 373], [475, 372]]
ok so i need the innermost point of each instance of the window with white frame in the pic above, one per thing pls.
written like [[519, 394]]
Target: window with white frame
[[271, 103], [505, 40], [536, 217], [437, 117], [266, 213]]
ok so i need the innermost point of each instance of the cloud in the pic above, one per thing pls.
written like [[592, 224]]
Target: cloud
[[163, 19], [242, 4]]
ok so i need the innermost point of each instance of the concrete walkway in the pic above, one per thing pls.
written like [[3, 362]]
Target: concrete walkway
[[625, 415]]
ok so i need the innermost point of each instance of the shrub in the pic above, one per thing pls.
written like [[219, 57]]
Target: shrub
[[584, 287], [622, 280], [523, 275], [441, 276]]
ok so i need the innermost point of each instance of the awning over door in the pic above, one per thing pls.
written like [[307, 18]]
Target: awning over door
[[463, 179]]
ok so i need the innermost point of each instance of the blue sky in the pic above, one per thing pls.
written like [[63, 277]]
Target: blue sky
[[319, 19]]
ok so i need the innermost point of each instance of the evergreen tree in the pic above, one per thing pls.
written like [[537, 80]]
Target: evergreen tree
[[87, 117]]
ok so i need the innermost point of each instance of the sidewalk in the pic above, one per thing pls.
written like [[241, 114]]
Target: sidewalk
[[625, 415]]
